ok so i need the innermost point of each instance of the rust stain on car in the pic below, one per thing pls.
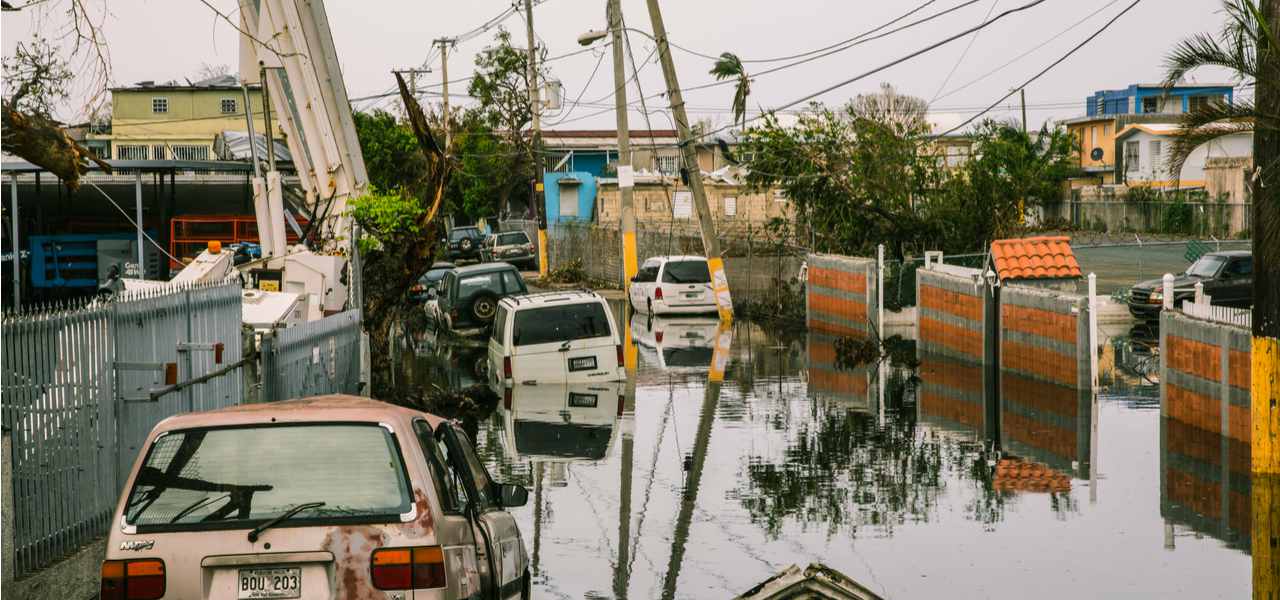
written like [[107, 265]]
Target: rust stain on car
[[422, 525], [352, 546]]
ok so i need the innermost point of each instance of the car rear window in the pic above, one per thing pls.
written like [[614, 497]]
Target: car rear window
[[486, 281], [686, 271], [560, 324], [213, 478], [508, 239], [459, 234]]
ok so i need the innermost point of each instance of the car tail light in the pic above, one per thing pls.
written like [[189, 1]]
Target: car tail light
[[657, 293], [530, 248], [139, 579], [506, 367], [657, 335], [620, 359], [408, 568], [506, 398], [622, 402]]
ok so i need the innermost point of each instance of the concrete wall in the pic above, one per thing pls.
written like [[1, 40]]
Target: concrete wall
[[1045, 383], [841, 295], [1205, 444], [652, 205], [952, 313]]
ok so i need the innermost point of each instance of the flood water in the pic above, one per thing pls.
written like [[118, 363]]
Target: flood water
[[676, 485]]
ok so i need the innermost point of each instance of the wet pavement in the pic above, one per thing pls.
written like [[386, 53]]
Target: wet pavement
[[677, 485]]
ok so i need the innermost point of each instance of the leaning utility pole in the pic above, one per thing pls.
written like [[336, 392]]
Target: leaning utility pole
[[626, 177], [1265, 348], [689, 154], [444, 87], [539, 161]]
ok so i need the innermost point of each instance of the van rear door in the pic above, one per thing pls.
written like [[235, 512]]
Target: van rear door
[[572, 342], [687, 283]]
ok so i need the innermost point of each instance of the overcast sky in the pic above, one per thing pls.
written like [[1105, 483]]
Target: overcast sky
[[170, 39]]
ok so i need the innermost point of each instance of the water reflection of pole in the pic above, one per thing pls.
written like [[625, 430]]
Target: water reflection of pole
[[1093, 448], [537, 515], [709, 401], [620, 574], [1266, 532]]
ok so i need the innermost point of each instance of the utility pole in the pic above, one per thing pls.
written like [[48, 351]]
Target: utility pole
[[539, 161], [1265, 346], [626, 177], [444, 88], [689, 153], [1022, 94]]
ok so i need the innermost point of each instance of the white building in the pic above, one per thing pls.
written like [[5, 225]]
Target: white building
[[1144, 151]]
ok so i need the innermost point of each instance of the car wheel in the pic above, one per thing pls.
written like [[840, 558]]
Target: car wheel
[[484, 307]]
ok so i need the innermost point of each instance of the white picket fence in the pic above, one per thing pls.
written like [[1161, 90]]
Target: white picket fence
[[1240, 317]]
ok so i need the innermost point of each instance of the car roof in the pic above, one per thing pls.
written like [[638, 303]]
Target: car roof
[[553, 297], [328, 408], [484, 268], [1230, 253], [677, 257], [461, 227]]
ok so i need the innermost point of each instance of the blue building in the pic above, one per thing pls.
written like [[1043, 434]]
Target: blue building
[[1155, 98]]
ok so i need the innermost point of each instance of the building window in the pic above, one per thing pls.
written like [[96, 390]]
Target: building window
[[1154, 146], [667, 165], [1106, 130], [957, 156], [157, 151], [730, 206], [190, 152], [131, 152], [228, 106], [1101, 105], [159, 105], [1150, 105], [1131, 157], [1202, 102], [103, 152]]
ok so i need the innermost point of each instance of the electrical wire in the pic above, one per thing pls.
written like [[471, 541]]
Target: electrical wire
[[1055, 63], [135, 224], [960, 60], [574, 105]]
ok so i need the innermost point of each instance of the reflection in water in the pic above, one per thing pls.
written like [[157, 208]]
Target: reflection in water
[[914, 487]]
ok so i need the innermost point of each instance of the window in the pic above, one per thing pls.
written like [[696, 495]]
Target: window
[[1106, 129], [462, 233], [1150, 105], [157, 152], [1202, 102], [1154, 146], [159, 105], [957, 156], [511, 280], [647, 273], [474, 283], [476, 472], [103, 152], [730, 206], [229, 106], [1240, 267], [131, 152], [207, 478], [568, 198], [190, 152], [686, 271], [447, 482], [456, 467], [562, 323], [500, 325], [1100, 105], [1207, 266], [1093, 136], [513, 238], [668, 165], [1131, 156]]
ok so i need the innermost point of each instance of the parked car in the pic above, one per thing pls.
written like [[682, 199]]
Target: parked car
[[433, 276], [673, 285], [562, 423], [324, 497], [467, 298], [463, 243], [1227, 277], [511, 246], [554, 337]]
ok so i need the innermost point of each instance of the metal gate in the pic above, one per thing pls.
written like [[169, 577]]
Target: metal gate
[[319, 357]]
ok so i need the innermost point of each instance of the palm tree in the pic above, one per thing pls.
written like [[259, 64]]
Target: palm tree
[[730, 66]]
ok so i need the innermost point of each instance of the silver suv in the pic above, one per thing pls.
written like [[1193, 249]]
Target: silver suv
[[512, 247]]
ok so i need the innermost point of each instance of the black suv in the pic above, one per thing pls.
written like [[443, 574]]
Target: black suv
[[1227, 279], [464, 243], [469, 295]]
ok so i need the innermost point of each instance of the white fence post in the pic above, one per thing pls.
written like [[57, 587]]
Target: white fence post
[[1167, 290], [1093, 330], [1199, 292], [880, 289]]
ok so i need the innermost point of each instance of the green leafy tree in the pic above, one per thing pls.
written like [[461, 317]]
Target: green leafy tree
[[391, 154], [1011, 171]]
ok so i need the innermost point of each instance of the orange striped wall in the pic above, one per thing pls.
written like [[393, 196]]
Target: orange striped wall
[[953, 303], [966, 341], [838, 280], [1039, 322], [1194, 357], [1241, 368]]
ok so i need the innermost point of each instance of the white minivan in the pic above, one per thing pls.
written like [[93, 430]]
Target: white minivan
[[554, 337], [673, 285]]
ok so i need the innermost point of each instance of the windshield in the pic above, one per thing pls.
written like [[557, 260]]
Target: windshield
[[686, 271], [212, 477], [1207, 266], [508, 239], [459, 234], [560, 324]]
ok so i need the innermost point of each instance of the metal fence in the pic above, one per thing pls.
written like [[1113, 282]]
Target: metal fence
[[1221, 219], [319, 357], [84, 385]]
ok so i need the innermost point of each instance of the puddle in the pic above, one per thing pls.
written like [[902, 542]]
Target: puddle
[[674, 484]]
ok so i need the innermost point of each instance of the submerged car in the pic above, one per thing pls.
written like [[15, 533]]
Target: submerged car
[[1227, 278], [554, 337], [673, 285], [428, 280], [467, 297], [511, 247], [324, 497]]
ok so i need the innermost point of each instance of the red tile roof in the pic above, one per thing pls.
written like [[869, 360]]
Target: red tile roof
[[1045, 257], [1017, 475]]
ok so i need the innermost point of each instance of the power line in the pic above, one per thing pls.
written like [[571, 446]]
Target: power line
[[574, 105], [959, 60], [1046, 69]]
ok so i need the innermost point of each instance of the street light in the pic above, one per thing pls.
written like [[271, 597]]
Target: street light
[[592, 37]]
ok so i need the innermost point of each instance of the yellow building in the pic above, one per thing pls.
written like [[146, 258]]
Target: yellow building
[[174, 122]]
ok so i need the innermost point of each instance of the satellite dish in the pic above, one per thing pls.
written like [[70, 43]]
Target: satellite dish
[[1096, 154]]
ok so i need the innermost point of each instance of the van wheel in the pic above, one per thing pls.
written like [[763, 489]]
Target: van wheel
[[484, 307]]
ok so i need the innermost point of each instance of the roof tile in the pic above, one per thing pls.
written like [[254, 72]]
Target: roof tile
[[1035, 258]]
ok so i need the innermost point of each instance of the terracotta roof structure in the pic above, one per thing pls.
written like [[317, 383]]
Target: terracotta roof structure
[[1013, 475], [1046, 257]]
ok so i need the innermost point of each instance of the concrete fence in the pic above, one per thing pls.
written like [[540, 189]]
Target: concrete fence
[[841, 295], [955, 309]]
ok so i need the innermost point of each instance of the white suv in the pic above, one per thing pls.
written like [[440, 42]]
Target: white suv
[[554, 337], [673, 285]]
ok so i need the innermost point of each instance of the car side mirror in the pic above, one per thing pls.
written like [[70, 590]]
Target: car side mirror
[[513, 495], [431, 292]]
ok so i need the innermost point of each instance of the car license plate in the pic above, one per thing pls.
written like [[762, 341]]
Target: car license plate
[[577, 400], [270, 583], [582, 363], [693, 294]]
